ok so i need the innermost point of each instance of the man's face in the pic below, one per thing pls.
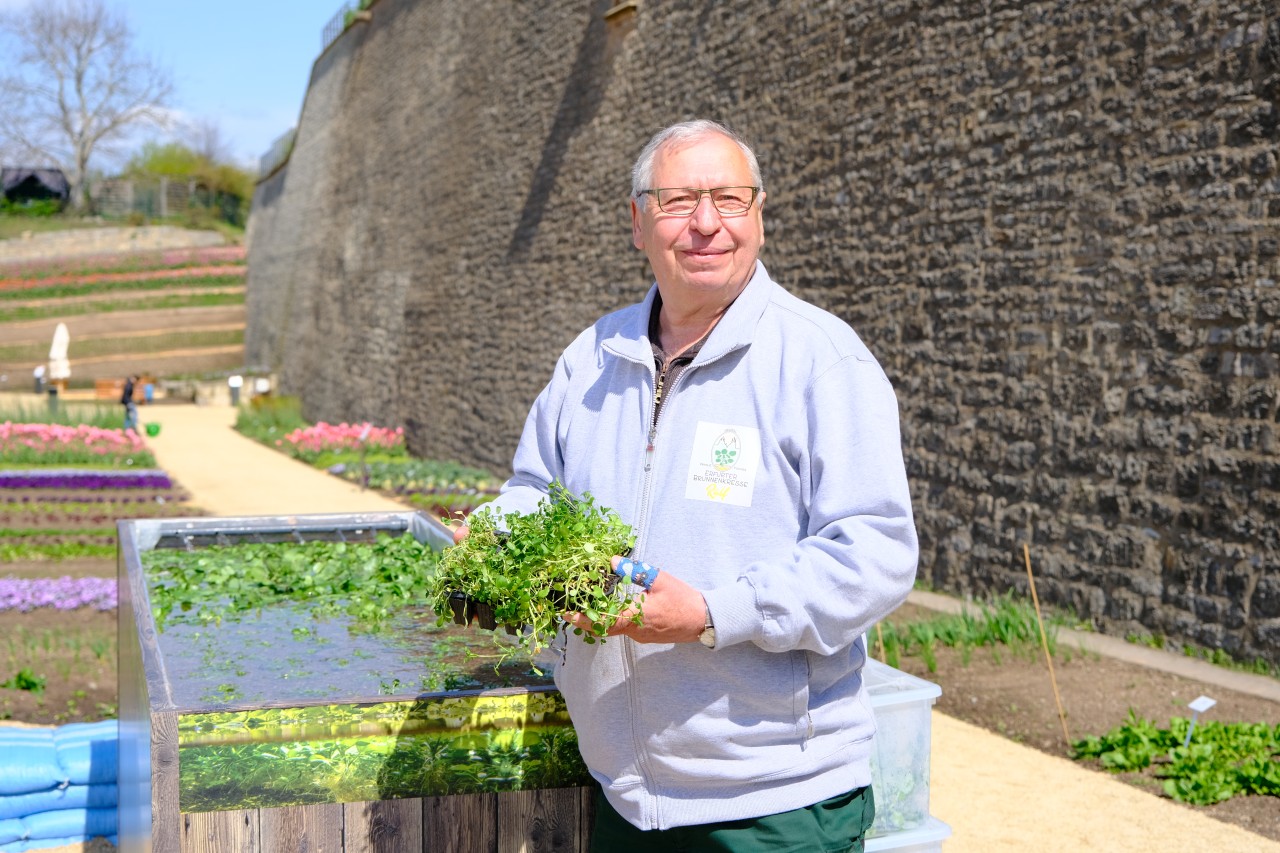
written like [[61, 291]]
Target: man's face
[[706, 253]]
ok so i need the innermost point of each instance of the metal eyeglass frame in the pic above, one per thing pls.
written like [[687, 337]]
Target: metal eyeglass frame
[[755, 193]]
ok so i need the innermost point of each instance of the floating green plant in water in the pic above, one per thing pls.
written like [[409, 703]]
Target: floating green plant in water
[[368, 582]]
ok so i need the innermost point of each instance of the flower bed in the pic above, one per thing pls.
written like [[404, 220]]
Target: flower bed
[[441, 489], [374, 457], [84, 478], [61, 444], [58, 547], [48, 498], [310, 443], [64, 593]]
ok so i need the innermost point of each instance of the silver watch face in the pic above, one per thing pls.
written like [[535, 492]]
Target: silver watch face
[[708, 637]]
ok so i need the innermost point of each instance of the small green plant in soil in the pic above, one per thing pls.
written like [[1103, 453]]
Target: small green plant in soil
[[1005, 624], [530, 568], [25, 679], [1222, 760], [411, 476], [1217, 657]]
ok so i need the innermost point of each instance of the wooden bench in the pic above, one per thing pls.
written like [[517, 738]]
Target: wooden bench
[[111, 389]]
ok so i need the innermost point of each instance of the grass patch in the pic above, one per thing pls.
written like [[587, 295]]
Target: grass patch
[[12, 226], [67, 414], [139, 344], [31, 532], [62, 310], [268, 419], [64, 291], [13, 552], [1217, 657]]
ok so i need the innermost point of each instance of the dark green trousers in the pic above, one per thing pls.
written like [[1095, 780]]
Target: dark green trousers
[[837, 825]]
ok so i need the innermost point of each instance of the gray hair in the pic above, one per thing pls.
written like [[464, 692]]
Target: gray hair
[[684, 133]]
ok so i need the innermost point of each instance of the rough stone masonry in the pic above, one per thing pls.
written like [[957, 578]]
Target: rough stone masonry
[[1056, 223]]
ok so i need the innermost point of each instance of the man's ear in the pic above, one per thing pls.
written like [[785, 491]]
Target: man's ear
[[637, 235], [760, 213]]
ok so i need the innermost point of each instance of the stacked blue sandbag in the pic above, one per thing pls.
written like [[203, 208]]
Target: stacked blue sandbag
[[57, 785]]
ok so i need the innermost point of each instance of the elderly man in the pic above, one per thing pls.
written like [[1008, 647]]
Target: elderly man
[[751, 440]]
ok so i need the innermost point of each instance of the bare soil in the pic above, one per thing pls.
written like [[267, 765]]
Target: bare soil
[[125, 323], [1012, 695], [73, 652]]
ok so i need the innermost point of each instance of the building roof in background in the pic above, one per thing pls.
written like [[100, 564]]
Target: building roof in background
[[29, 182]]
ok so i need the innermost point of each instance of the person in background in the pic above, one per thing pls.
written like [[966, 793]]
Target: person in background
[[130, 407], [751, 440]]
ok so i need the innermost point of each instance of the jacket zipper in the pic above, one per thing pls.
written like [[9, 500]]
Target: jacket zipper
[[643, 521], [653, 424], [658, 389]]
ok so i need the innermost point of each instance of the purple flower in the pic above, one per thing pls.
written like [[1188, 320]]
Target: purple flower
[[64, 593], [85, 478]]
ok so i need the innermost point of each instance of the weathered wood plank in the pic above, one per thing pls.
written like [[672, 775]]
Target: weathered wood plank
[[466, 823], [302, 829], [384, 826], [165, 817], [587, 814], [221, 832], [540, 821]]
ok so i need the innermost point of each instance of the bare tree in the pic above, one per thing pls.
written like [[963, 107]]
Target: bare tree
[[74, 85], [204, 136]]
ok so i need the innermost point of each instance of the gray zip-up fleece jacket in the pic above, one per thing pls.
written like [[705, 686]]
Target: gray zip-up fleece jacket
[[774, 483]]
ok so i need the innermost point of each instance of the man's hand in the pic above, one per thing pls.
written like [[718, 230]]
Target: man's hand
[[674, 612], [459, 533]]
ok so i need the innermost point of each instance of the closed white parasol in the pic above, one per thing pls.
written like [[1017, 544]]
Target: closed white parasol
[[59, 366]]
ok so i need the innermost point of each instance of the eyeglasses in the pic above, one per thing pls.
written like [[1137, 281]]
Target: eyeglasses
[[683, 201]]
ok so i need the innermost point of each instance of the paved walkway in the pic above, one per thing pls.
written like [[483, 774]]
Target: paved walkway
[[230, 475], [996, 795]]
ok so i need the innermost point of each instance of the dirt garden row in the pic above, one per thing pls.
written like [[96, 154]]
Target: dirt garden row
[[177, 312]]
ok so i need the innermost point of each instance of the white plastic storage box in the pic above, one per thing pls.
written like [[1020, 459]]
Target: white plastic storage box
[[927, 838], [902, 705]]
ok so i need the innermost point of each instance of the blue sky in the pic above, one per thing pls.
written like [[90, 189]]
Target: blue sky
[[240, 64]]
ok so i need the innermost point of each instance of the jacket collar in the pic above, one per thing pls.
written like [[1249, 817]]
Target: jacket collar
[[630, 339]]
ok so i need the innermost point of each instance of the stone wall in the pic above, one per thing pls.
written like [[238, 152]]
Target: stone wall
[[1057, 224]]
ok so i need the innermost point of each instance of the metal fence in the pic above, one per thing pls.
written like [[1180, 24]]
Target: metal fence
[[278, 154], [346, 15], [337, 24], [160, 198]]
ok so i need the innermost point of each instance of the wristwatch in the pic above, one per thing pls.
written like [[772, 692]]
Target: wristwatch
[[708, 635]]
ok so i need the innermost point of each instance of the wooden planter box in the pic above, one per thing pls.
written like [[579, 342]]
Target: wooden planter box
[[233, 738]]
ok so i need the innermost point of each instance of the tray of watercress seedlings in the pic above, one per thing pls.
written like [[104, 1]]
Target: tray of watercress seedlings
[[522, 571]]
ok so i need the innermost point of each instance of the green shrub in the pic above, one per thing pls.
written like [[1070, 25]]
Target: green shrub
[[269, 418], [38, 208]]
